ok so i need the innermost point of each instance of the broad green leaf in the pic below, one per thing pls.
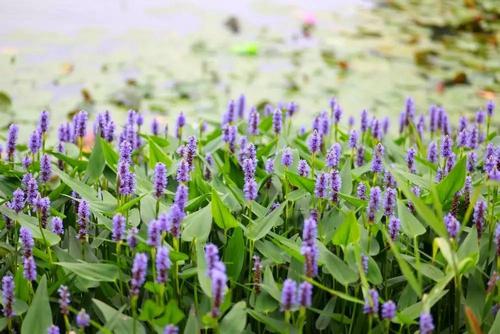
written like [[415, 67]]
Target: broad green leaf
[[221, 214], [100, 272], [197, 225], [300, 181], [453, 182], [410, 225], [336, 267], [422, 209], [234, 254], [348, 231], [39, 316], [156, 154], [259, 228], [203, 278], [116, 321], [31, 223], [235, 320], [96, 164], [346, 176], [405, 268], [109, 153]]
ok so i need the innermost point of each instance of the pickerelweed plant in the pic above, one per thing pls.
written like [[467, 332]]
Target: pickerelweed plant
[[252, 225]]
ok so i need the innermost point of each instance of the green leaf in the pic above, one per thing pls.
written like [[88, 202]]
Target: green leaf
[[234, 254], [235, 320], [453, 182], [222, 216], [31, 223], [348, 231], [109, 153], [405, 268], [39, 316], [203, 278], [197, 225], [410, 225], [259, 228], [300, 181], [336, 267], [96, 164], [100, 272], [156, 154], [346, 177], [116, 321]]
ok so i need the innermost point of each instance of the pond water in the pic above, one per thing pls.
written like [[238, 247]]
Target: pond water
[[163, 57]]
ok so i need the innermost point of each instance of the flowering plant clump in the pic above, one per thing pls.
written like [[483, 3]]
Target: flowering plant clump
[[252, 225]]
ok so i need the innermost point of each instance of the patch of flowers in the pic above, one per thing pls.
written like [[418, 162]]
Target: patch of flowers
[[252, 225]]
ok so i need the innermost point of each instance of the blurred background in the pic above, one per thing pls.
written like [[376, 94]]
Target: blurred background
[[165, 56]]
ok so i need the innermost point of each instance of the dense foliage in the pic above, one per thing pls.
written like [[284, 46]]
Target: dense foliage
[[252, 225]]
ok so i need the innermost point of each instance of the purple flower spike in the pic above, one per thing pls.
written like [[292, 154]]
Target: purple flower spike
[[371, 303], [250, 189], [361, 191], [139, 269], [162, 264], [432, 153], [42, 205], [155, 127], [376, 129], [43, 123], [388, 310], [373, 203], [410, 160], [154, 233], [288, 295], [314, 142], [119, 225], [18, 201], [360, 156], [241, 106], [479, 216], [490, 108], [132, 238], [333, 155], [305, 294], [336, 184], [35, 141], [287, 157], [181, 121], [64, 299], [160, 179], [269, 166], [229, 135], [83, 219], [480, 116], [426, 323], [394, 225], [57, 226], [389, 201], [181, 196], [183, 171], [45, 168], [11, 141], [219, 280], [27, 242], [80, 124], [171, 329], [353, 138], [253, 122], [211, 256], [53, 330], [8, 296], [377, 160], [277, 121], [29, 268], [364, 121], [303, 168], [452, 225], [82, 319], [175, 217], [446, 146], [322, 183]]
